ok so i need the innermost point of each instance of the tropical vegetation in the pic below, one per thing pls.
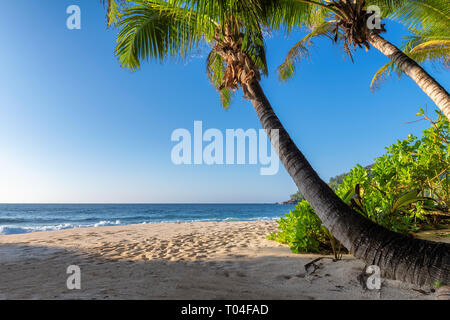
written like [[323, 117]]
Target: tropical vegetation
[[406, 190]]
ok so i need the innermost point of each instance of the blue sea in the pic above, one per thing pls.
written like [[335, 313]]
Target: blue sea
[[24, 218]]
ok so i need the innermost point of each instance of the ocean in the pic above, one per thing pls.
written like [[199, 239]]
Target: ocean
[[24, 218]]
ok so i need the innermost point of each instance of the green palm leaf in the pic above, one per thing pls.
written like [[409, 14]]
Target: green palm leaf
[[112, 10], [153, 29], [300, 50]]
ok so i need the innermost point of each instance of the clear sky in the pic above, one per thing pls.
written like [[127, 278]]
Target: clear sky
[[75, 127]]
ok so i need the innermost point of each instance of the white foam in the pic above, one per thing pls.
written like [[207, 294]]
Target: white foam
[[11, 229], [107, 223], [4, 230]]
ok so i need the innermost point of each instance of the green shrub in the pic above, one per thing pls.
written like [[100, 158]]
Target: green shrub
[[302, 230], [407, 188]]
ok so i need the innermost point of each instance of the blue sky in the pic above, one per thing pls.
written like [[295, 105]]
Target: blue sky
[[75, 127]]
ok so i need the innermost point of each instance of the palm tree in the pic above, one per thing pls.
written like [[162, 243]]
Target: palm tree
[[351, 21], [427, 42], [157, 29]]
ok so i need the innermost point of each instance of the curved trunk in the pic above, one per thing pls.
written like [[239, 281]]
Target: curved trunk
[[426, 82], [399, 257]]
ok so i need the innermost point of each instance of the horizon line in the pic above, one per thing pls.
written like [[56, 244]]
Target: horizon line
[[134, 203]]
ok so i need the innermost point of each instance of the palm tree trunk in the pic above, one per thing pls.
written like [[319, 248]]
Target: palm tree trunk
[[426, 82], [399, 257]]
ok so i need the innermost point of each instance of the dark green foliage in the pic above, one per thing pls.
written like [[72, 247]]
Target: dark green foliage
[[297, 196]]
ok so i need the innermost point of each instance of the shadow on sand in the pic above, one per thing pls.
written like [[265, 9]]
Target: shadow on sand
[[39, 272]]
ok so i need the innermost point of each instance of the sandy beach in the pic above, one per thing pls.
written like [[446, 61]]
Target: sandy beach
[[201, 260]]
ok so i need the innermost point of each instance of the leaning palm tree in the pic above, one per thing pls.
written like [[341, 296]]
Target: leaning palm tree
[[157, 29], [428, 42], [353, 23]]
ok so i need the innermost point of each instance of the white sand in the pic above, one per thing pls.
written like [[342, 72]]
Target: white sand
[[208, 260]]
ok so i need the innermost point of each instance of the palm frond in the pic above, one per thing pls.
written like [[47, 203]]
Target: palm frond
[[441, 43], [429, 41], [300, 50], [424, 14], [381, 75], [156, 29], [112, 10], [287, 15], [251, 14], [437, 55], [215, 70], [387, 7]]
